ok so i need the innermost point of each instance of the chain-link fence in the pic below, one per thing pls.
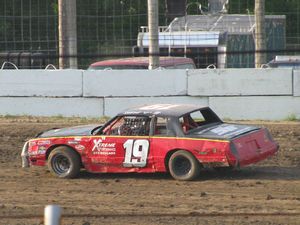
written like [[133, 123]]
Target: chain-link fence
[[118, 28]]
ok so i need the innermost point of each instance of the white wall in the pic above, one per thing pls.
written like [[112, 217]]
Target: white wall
[[41, 106], [54, 83], [127, 83], [296, 83], [258, 107], [240, 82], [115, 105], [272, 94]]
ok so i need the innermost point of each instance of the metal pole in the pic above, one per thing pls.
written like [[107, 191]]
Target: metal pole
[[260, 34], [67, 34], [153, 34]]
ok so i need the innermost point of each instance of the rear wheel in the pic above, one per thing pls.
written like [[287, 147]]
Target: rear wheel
[[183, 166], [64, 162]]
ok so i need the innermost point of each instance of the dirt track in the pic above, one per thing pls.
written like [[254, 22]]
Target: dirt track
[[267, 193]]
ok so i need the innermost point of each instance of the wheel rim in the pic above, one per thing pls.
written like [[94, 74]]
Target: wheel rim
[[182, 166], [60, 164]]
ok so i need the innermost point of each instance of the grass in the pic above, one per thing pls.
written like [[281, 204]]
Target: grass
[[292, 117], [53, 119]]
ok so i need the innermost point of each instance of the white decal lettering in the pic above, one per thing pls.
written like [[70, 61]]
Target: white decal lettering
[[96, 144], [101, 148], [224, 129], [158, 107]]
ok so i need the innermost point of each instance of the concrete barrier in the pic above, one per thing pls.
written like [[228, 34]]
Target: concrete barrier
[[115, 105], [124, 83], [296, 83], [272, 94], [40, 106], [257, 107], [48, 83], [240, 82]]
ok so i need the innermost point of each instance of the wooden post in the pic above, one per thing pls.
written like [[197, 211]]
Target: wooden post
[[260, 34], [67, 34], [153, 34]]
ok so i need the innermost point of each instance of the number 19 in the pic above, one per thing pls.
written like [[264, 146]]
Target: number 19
[[136, 153]]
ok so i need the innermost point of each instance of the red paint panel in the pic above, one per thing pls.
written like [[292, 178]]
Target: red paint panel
[[116, 154], [254, 147]]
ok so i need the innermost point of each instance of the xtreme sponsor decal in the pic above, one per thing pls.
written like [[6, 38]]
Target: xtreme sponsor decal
[[103, 148]]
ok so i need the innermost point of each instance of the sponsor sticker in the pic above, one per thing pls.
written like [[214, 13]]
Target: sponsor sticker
[[44, 142], [224, 129], [41, 150], [158, 107], [103, 148], [79, 147], [73, 142]]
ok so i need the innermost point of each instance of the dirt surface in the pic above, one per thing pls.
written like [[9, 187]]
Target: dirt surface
[[265, 193]]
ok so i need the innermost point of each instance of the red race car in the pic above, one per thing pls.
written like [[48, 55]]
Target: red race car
[[174, 138]]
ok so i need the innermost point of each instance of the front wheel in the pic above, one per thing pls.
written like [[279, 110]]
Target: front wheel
[[183, 166], [64, 162]]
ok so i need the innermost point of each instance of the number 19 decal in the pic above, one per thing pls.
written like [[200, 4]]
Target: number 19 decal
[[136, 153]]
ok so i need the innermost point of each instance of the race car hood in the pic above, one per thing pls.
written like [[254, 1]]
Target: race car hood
[[69, 131], [223, 131]]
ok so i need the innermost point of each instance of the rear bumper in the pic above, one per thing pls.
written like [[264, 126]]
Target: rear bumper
[[261, 154], [252, 148], [25, 156]]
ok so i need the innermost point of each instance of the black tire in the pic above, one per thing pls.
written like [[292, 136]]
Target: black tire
[[63, 162], [183, 166]]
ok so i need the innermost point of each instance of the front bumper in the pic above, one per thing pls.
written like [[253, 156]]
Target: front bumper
[[25, 156]]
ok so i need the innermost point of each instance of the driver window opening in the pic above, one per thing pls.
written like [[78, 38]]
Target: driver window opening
[[129, 126]]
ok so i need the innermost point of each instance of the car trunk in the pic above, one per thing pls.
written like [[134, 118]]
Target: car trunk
[[248, 144], [253, 147]]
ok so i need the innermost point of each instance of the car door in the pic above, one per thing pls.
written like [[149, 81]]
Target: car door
[[162, 141], [123, 145]]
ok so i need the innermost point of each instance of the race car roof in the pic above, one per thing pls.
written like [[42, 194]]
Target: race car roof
[[174, 110]]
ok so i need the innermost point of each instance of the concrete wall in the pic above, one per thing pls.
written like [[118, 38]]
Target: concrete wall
[[258, 107], [272, 94], [134, 83], [296, 83], [113, 105], [240, 82], [53, 83], [41, 106]]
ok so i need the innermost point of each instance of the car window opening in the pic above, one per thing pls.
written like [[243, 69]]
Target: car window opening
[[197, 119], [129, 126]]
